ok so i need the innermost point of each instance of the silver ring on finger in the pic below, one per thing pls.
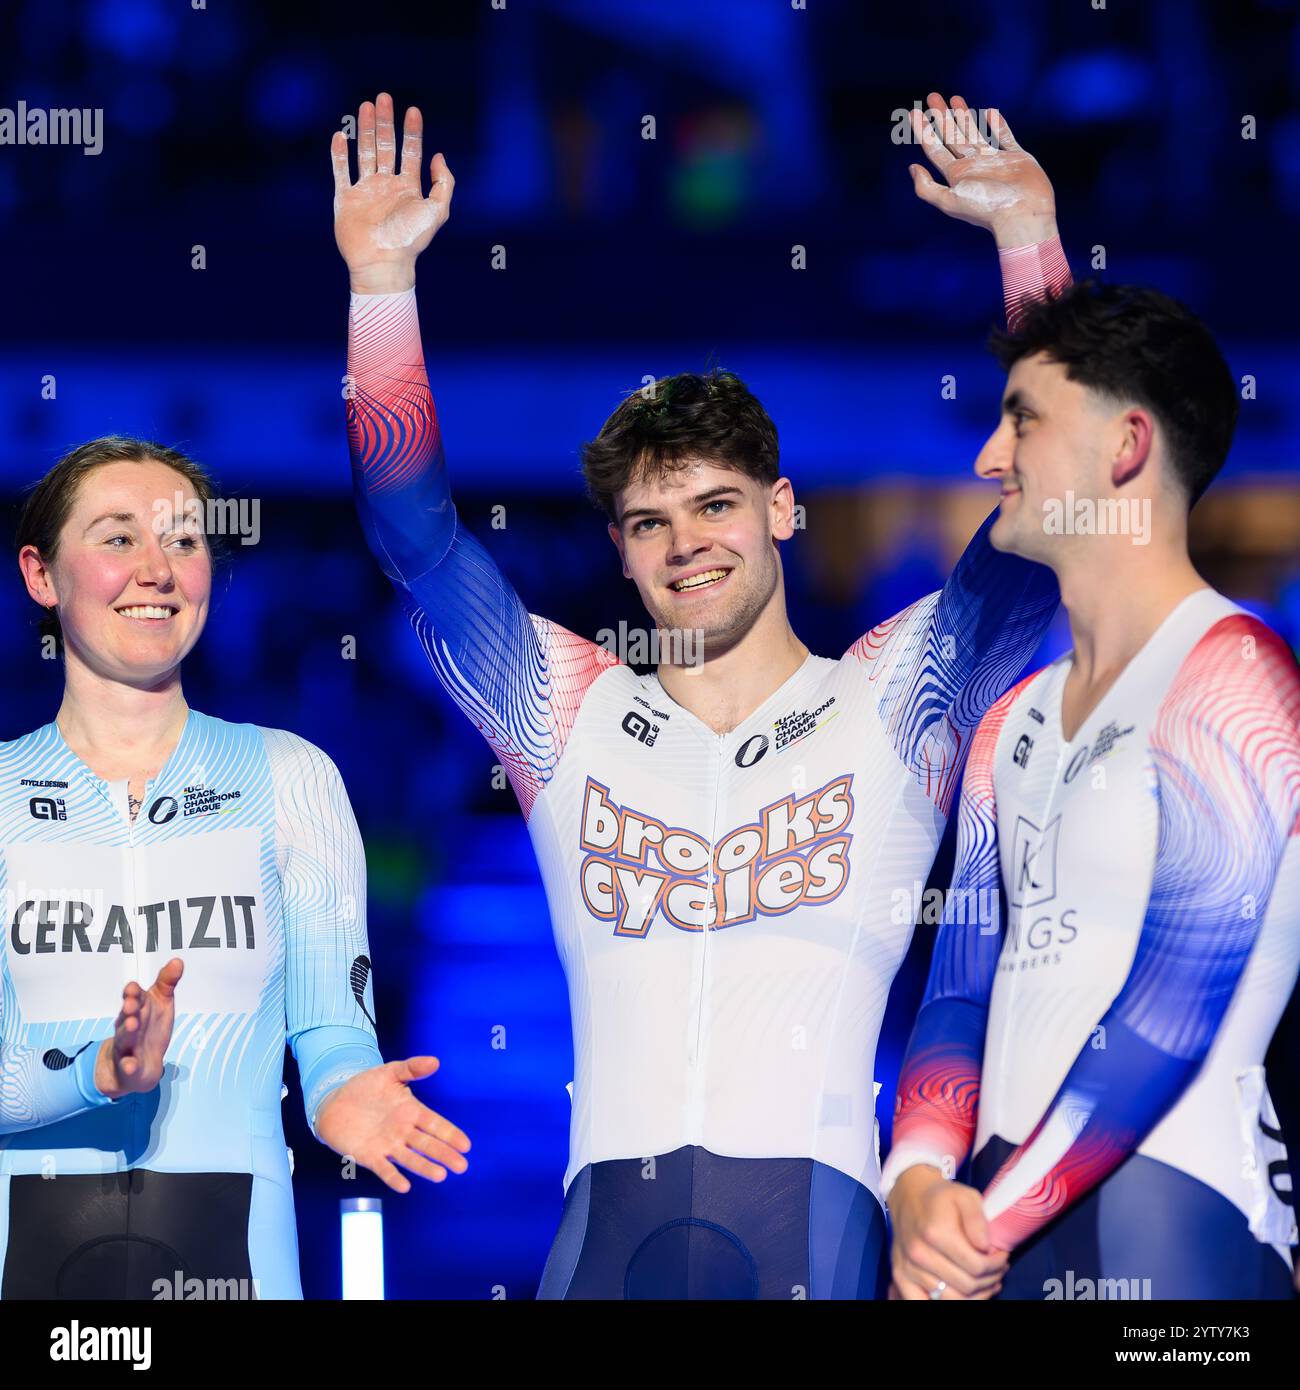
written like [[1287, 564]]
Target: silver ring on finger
[[937, 1291]]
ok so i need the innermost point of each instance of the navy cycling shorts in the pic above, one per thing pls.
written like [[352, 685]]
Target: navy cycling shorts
[[692, 1225]]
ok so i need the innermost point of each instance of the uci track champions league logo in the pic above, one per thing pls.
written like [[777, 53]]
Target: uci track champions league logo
[[635, 867]]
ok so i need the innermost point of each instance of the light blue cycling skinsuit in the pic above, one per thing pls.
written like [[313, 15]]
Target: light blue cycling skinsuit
[[245, 862]]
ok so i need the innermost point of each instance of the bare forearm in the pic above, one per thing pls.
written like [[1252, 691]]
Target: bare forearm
[[384, 278], [1024, 231]]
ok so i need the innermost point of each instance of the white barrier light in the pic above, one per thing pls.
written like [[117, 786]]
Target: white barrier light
[[362, 1223]]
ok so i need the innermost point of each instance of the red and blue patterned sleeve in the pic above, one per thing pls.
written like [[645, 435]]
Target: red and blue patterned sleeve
[[519, 678], [946, 659], [939, 1085], [1030, 272], [1226, 750]]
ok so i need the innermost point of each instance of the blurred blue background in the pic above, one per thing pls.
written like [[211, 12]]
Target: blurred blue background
[[625, 257]]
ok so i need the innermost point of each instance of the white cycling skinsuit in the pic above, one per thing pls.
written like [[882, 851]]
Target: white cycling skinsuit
[[725, 906]]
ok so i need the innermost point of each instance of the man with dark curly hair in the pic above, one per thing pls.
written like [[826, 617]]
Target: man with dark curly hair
[[723, 842]]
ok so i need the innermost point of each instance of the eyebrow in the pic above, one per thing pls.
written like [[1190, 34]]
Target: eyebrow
[[699, 499], [110, 516], [1016, 400]]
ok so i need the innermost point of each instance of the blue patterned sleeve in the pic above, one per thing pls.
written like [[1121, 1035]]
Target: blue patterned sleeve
[[946, 659], [328, 994], [518, 678], [939, 1082], [40, 1086]]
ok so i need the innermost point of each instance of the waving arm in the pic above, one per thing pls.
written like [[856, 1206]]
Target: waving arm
[[518, 678], [944, 661]]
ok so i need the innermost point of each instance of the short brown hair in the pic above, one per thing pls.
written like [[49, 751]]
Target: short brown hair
[[656, 430], [50, 501]]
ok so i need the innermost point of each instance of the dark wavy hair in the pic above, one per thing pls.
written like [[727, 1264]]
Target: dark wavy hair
[[1136, 345], [50, 501], [661, 429]]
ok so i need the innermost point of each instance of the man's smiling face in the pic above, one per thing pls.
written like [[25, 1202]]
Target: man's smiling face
[[700, 545], [1049, 441]]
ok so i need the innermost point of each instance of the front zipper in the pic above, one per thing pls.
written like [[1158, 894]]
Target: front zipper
[[702, 980], [1045, 815], [135, 902]]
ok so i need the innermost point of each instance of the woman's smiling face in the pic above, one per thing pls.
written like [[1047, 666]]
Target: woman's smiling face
[[132, 574]]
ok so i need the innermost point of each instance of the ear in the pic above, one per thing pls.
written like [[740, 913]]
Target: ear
[[37, 576], [1137, 439], [617, 537], [781, 509]]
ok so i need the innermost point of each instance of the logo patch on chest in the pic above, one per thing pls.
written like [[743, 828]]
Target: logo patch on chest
[[791, 728], [83, 919], [1108, 738], [1034, 863], [637, 867]]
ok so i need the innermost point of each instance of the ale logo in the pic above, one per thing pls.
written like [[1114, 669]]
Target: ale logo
[[640, 728]]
